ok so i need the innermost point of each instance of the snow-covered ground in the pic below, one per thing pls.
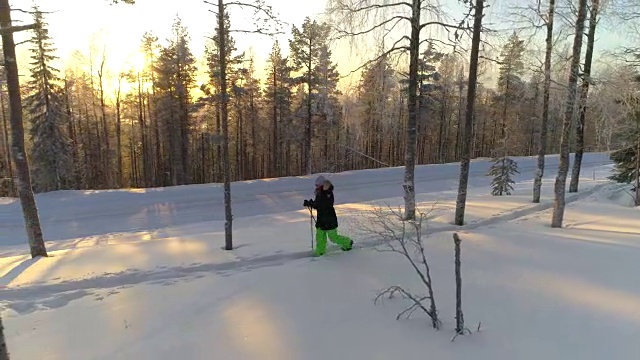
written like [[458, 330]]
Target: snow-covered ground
[[142, 274]]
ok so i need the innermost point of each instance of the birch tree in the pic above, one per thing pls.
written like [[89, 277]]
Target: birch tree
[[584, 93], [264, 17], [356, 18], [546, 93], [4, 353], [478, 9], [24, 185], [572, 95]]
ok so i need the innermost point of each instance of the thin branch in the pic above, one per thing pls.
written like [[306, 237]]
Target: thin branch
[[393, 49], [344, 33], [347, 8], [258, 31], [17, 28], [33, 12]]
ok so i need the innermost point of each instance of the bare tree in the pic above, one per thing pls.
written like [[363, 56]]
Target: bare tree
[[4, 352], [586, 81], [24, 186], [354, 18], [263, 14], [563, 167], [548, 22], [405, 237], [468, 124]]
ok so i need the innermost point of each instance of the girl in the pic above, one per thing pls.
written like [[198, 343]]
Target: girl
[[327, 221]]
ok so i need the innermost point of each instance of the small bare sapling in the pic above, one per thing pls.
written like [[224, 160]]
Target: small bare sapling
[[405, 237]]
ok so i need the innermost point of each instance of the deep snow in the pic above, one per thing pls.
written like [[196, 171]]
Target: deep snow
[[138, 282]]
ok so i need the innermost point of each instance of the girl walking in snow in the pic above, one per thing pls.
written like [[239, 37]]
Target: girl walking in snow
[[327, 220]]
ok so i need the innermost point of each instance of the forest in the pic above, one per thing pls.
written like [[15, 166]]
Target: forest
[[530, 95], [163, 128]]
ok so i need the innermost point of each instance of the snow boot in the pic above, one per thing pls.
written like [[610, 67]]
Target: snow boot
[[350, 246]]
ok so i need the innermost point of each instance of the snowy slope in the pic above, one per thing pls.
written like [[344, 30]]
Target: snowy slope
[[72, 214], [166, 293]]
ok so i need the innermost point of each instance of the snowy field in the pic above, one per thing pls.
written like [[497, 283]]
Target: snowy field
[[140, 274]]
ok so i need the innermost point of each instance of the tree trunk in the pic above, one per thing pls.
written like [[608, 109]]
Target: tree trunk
[[4, 352], [411, 145], [119, 137], [7, 145], [274, 126], [468, 124], [308, 147], [223, 101], [591, 36], [25, 191], [458, 276], [254, 153], [105, 127], [143, 137], [637, 166], [563, 168]]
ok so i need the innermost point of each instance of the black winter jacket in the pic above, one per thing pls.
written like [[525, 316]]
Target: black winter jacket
[[323, 203]]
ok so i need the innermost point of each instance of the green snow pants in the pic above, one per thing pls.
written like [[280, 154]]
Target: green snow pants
[[321, 240]]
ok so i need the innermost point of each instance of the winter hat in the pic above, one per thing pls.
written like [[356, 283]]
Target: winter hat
[[320, 180]]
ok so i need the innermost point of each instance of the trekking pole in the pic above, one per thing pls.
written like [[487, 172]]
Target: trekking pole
[[311, 219]]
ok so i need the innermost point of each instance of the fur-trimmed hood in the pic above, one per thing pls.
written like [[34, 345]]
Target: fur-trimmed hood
[[325, 183], [327, 186]]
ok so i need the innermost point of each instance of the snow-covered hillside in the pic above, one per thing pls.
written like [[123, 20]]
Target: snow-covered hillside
[[141, 274], [72, 214]]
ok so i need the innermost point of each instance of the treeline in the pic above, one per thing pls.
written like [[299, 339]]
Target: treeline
[[164, 128]]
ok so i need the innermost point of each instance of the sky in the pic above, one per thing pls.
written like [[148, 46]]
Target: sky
[[74, 24]]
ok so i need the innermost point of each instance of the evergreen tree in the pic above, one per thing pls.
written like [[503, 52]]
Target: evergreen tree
[[326, 78], [502, 170], [212, 54], [233, 62], [176, 76], [306, 48], [626, 165], [45, 105], [246, 99], [510, 85], [277, 95], [624, 170], [326, 105]]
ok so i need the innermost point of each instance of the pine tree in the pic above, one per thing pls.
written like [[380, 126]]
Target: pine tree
[[277, 95], [326, 106], [509, 88], [502, 170], [212, 54], [509, 81], [375, 92], [306, 48], [232, 64], [176, 76], [625, 160], [625, 165], [51, 151], [326, 78]]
